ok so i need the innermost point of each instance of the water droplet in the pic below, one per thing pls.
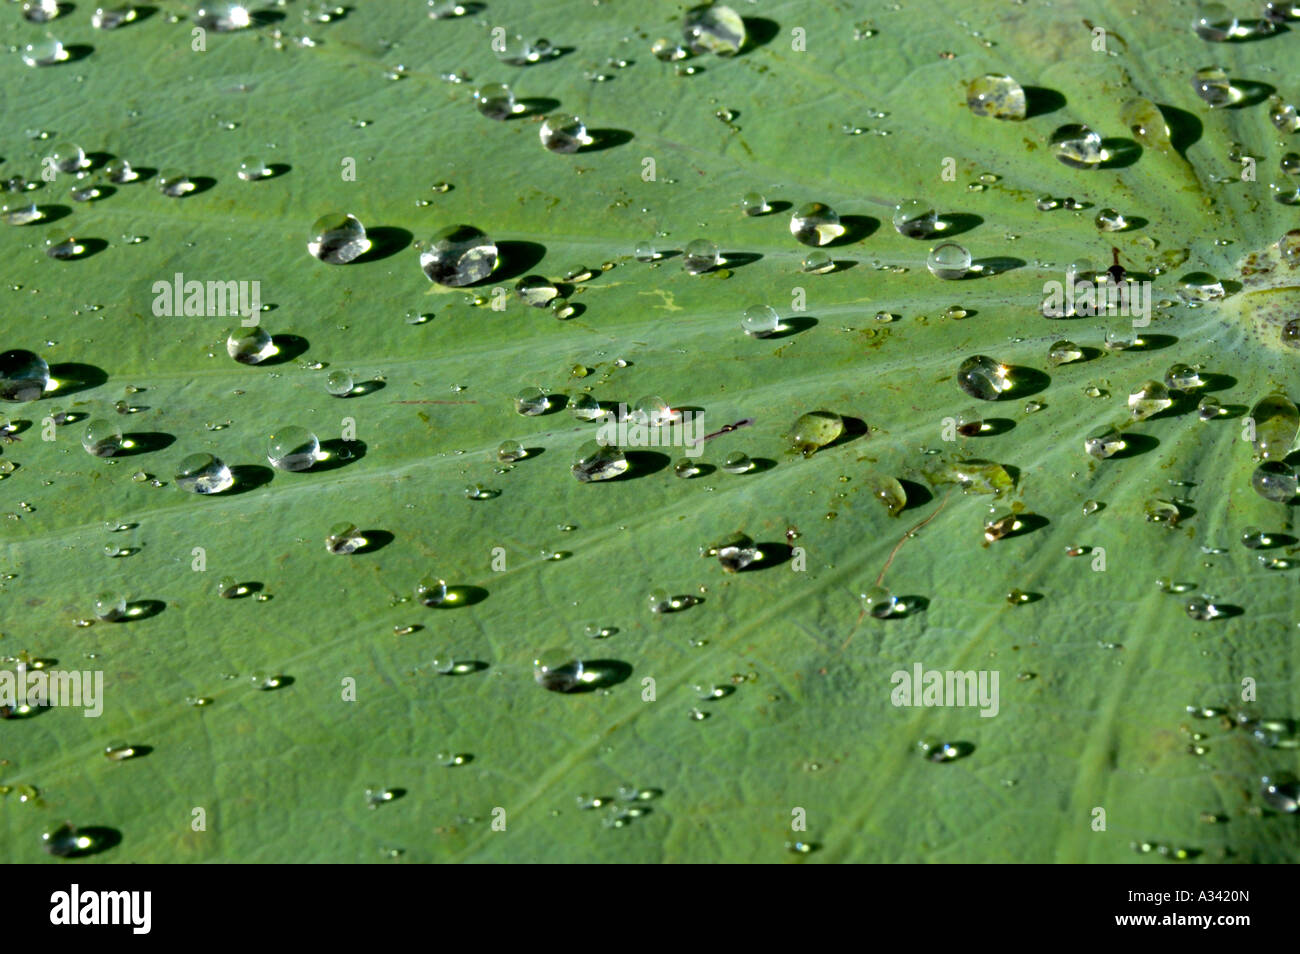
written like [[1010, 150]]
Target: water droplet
[[44, 52], [265, 681], [713, 28], [595, 461], [1064, 352], [557, 670], [1108, 220], [1077, 146], [223, 16], [175, 184], [1104, 442], [564, 133], [982, 377], [818, 263], [339, 383], [1146, 122], [1183, 378], [344, 538], [1167, 512], [1151, 397], [997, 528], [68, 157], [700, 256], [110, 18], [431, 591], [102, 438], [936, 751], [1202, 609], [889, 491], [511, 451], [996, 95], [948, 261], [816, 223], [1212, 85], [760, 321], [203, 474], [65, 841], [496, 101], [815, 430], [377, 795], [532, 401], [1277, 423], [110, 607], [120, 172], [915, 218], [1275, 480], [686, 468], [338, 238], [877, 601], [250, 345], [1215, 23], [753, 203], [480, 492], [459, 255], [293, 449], [23, 376], [252, 168], [955, 312], [646, 252], [20, 212], [1281, 792], [584, 407], [1199, 286]]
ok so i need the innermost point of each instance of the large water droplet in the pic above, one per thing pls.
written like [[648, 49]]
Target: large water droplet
[[103, 438], [949, 261], [815, 430], [816, 223], [203, 474], [293, 449], [564, 133], [996, 95], [459, 255], [250, 345], [338, 238], [595, 461], [1277, 423], [700, 256], [982, 377], [1211, 83], [1275, 480], [223, 16], [1151, 397], [23, 376], [915, 218], [713, 28], [495, 101], [1077, 146]]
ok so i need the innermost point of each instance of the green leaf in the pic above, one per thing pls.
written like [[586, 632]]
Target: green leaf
[[1095, 676]]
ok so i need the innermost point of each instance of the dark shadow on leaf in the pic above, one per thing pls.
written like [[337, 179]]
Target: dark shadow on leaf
[[993, 426], [516, 259], [760, 464], [909, 606], [534, 106], [759, 31], [100, 838], [643, 463], [1024, 382], [555, 402], [89, 247], [137, 610], [1185, 128], [376, 540], [739, 259], [201, 185], [1153, 342], [1252, 93], [996, 265], [1135, 444], [144, 442], [955, 223], [793, 326], [856, 228], [917, 495], [1120, 153], [385, 240], [287, 347], [276, 169], [458, 596], [74, 377], [602, 139], [774, 208], [336, 453], [1029, 522], [854, 427], [265, 17], [770, 555], [1039, 101], [601, 673], [249, 477], [52, 213], [77, 51]]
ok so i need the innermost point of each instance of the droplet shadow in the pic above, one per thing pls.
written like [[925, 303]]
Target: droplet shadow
[[138, 610], [74, 377], [336, 453], [376, 540], [643, 463], [144, 442], [1120, 153], [1039, 101], [534, 106], [287, 348], [385, 241], [601, 674], [248, 477], [515, 259], [602, 139]]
